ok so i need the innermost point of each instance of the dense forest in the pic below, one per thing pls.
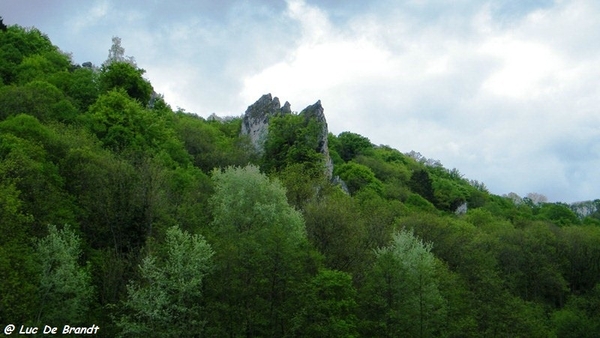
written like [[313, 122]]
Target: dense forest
[[120, 212]]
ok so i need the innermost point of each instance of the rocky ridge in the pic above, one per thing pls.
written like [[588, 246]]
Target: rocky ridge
[[255, 124]]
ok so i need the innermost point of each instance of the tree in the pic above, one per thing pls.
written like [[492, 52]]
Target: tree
[[329, 307], [293, 139], [358, 176], [422, 184], [122, 124], [16, 43], [122, 75], [261, 256], [558, 213], [350, 145], [401, 295], [65, 292], [27, 155], [336, 228], [116, 53], [167, 301], [80, 85], [18, 268], [37, 98], [3, 27]]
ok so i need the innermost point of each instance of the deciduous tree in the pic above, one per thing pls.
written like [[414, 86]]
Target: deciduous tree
[[167, 301]]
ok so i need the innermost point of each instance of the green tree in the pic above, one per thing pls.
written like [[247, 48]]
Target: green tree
[[16, 43], [358, 176], [122, 75], [3, 27], [261, 255], [31, 167], [337, 230], [41, 66], [65, 291], [39, 99], [448, 194], [401, 296], [559, 213], [292, 139], [167, 301], [579, 246], [18, 268], [422, 184], [579, 318], [350, 145], [330, 306], [122, 124], [211, 144], [79, 85]]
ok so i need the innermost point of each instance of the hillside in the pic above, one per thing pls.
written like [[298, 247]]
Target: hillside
[[117, 211]]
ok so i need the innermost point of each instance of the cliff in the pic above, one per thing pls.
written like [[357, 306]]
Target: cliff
[[255, 124]]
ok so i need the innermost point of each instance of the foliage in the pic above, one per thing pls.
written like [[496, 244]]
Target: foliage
[[260, 253], [292, 139], [39, 99], [65, 292], [350, 145], [121, 123], [167, 300], [329, 307], [358, 176], [402, 295], [122, 75]]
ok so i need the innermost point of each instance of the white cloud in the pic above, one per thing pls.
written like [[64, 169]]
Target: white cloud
[[487, 97], [100, 10]]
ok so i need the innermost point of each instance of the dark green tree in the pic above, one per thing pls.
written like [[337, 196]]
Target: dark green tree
[[3, 27], [18, 268], [350, 145], [38, 98], [329, 309], [422, 184], [122, 75], [293, 139]]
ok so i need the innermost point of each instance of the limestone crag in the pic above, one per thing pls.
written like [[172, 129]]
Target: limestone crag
[[255, 124], [317, 112]]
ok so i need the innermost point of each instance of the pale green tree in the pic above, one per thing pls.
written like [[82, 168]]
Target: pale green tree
[[166, 302], [65, 289], [262, 256], [401, 296]]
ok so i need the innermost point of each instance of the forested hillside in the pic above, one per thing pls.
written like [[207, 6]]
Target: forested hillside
[[117, 211]]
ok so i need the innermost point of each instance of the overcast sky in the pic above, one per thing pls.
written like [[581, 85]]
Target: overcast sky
[[506, 91]]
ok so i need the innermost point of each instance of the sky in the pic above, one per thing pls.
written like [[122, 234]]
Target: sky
[[505, 91]]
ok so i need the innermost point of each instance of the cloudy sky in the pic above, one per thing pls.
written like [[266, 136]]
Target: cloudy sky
[[506, 91]]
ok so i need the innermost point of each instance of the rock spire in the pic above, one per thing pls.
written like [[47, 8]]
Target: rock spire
[[255, 124]]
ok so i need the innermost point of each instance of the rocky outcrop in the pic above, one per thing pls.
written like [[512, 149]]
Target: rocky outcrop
[[317, 112], [255, 124]]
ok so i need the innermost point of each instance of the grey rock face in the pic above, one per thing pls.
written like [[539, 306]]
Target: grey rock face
[[317, 112], [255, 124], [214, 117]]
